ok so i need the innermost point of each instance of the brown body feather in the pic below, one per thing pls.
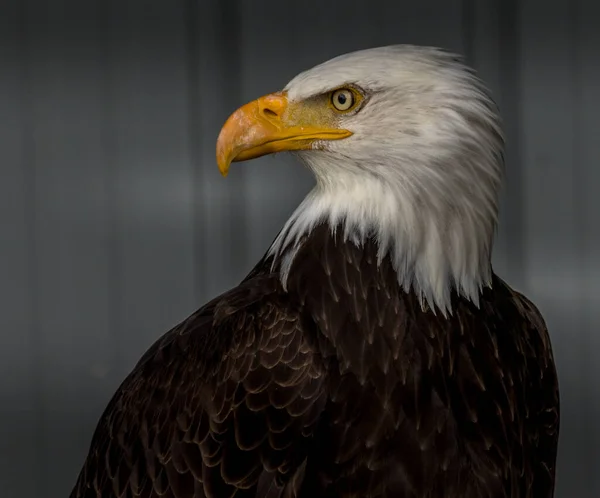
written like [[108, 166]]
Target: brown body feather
[[340, 387]]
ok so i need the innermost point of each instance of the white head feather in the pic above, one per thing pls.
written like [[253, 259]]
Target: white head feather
[[421, 172]]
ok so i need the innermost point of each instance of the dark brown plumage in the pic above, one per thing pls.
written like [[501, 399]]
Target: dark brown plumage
[[339, 387]]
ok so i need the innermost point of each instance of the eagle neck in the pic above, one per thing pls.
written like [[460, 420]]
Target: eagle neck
[[435, 250]]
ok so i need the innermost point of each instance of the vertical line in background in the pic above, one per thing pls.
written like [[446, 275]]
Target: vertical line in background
[[580, 305], [230, 30], [111, 179], [510, 80], [468, 30], [213, 40], [29, 166], [192, 16]]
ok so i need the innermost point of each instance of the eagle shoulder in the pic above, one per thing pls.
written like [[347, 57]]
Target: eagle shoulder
[[542, 391], [224, 403]]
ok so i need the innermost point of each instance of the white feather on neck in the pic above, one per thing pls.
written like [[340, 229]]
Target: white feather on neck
[[421, 174], [432, 252]]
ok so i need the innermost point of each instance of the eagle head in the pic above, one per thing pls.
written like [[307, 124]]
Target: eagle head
[[406, 147]]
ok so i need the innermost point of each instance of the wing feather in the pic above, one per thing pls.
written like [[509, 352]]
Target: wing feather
[[224, 404]]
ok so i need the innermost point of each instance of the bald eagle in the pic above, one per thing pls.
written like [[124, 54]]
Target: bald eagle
[[372, 352]]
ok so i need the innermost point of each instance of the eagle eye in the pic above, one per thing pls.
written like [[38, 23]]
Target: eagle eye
[[344, 99]]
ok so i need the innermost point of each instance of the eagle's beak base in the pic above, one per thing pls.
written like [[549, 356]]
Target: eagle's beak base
[[261, 127]]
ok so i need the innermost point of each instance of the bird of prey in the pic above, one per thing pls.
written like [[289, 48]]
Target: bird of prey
[[372, 352]]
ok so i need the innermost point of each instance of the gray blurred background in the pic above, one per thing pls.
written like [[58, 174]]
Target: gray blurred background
[[115, 224]]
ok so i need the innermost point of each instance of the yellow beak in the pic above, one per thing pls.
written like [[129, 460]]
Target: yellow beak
[[263, 126]]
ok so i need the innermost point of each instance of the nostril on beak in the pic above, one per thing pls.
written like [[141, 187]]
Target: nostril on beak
[[272, 106], [269, 113]]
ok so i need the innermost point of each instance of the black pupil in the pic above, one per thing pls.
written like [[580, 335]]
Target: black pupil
[[342, 98]]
